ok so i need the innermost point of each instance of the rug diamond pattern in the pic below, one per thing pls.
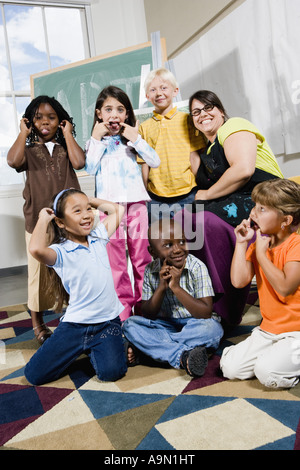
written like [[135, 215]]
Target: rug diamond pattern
[[151, 408]]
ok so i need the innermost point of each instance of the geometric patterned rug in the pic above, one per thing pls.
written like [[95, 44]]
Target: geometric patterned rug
[[150, 409]]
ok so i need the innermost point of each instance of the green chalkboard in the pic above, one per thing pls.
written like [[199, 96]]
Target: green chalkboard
[[77, 85]]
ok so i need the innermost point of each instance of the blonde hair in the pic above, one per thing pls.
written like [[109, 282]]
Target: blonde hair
[[164, 74], [280, 194]]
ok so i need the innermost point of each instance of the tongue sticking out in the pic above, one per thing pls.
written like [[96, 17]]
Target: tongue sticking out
[[115, 126]]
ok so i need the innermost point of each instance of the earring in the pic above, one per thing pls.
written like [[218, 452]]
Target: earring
[[282, 227]]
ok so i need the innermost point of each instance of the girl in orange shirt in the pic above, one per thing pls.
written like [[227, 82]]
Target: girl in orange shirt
[[272, 351]]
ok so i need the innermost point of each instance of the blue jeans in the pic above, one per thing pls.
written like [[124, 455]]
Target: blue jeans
[[102, 342], [166, 340], [162, 207]]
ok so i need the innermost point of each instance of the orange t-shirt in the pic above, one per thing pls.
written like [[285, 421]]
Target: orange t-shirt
[[280, 314]]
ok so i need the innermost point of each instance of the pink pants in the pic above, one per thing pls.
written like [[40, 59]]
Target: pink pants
[[135, 225]]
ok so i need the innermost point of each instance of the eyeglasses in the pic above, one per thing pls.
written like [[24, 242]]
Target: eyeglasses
[[206, 108]]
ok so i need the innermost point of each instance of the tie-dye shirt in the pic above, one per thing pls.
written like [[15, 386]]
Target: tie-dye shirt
[[118, 175]]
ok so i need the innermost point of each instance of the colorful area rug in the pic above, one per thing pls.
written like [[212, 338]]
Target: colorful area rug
[[150, 409]]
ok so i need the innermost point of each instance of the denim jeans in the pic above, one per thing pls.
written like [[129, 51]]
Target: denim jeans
[[166, 339], [161, 207], [102, 342]]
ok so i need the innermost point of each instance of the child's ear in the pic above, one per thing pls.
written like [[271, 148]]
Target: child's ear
[[59, 222], [288, 220], [175, 92], [151, 252], [98, 114]]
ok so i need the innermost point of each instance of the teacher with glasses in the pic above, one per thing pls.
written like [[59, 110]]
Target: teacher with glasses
[[237, 157]]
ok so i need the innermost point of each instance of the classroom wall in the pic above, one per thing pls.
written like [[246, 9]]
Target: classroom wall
[[182, 22], [118, 24]]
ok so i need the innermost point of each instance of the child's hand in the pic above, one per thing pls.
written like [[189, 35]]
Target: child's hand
[[243, 232], [175, 276], [129, 132], [46, 214], [100, 130], [66, 127], [262, 243], [25, 128], [164, 275]]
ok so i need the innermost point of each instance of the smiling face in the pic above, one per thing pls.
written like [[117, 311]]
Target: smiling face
[[113, 113], [78, 218], [208, 122], [167, 242], [46, 123], [161, 93]]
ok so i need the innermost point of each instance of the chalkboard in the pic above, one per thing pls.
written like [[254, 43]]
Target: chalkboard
[[76, 86]]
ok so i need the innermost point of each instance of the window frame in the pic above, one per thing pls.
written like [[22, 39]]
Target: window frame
[[84, 7]]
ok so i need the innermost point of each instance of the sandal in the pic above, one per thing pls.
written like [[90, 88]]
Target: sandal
[[195, 361], [135, 351], [43, 334]]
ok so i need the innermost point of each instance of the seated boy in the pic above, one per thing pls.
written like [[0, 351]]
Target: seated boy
[[177, 325], [172, 134]]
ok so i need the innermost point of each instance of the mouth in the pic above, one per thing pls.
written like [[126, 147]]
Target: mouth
[[114, 126], [178, 259], [253, 225], [45, 131], [206, 121], [86, 225]]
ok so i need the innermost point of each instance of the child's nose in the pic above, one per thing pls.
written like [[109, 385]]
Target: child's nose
[[176, 247]]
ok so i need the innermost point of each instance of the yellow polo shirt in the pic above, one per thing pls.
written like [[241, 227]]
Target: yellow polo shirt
[[173, 137]]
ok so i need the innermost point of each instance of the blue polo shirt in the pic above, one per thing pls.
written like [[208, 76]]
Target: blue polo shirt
[[86, 276]]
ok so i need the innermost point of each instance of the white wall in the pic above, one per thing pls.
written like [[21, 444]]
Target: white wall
[[118, 24], [182, 22], [250, 60]]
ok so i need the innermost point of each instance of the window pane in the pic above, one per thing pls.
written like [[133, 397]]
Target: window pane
[[7, 138], [26, 43], [4, 73], [64, 35]]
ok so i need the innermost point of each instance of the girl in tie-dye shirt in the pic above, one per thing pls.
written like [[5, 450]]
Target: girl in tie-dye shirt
[[111, 155]]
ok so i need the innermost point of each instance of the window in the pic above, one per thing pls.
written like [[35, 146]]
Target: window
[[34, 36]]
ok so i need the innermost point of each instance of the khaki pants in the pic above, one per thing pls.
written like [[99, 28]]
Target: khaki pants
[[273, 359], [37, 300]]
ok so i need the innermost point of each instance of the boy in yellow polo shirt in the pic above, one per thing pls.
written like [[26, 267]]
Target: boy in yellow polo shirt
[[172, 134]]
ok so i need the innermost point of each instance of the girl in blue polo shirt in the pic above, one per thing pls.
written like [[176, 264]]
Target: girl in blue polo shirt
[[78, 258]]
